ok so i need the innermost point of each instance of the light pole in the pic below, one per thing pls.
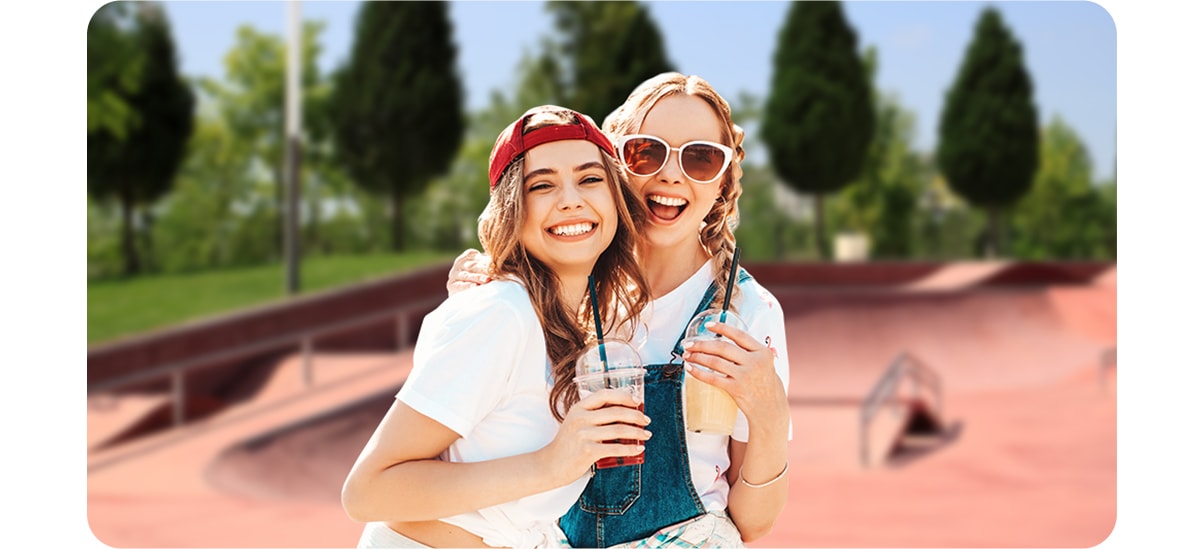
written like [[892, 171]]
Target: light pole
[[292, 146]]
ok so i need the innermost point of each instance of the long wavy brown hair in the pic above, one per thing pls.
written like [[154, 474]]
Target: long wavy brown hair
[[621, 288], [718, 232]]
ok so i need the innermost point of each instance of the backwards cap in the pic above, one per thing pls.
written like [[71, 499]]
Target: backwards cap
[[512, 142]]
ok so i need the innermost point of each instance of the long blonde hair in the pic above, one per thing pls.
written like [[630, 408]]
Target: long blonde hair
[[622, 290], [718, 231]]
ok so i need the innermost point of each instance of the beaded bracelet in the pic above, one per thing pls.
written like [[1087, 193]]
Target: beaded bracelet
[[764, 484]]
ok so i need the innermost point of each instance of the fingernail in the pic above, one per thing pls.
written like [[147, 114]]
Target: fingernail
[[647, 420], [687, 344]]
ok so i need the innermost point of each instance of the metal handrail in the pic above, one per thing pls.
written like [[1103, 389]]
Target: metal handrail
[[175, 370], [887, 386]]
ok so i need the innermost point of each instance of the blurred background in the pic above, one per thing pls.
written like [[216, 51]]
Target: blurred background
[[189, 179], [276, 191]]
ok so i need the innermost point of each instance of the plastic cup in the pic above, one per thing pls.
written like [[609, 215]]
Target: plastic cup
[[708, 408], [623, 370]]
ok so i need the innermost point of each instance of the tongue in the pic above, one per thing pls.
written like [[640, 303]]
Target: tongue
[[668, 213]]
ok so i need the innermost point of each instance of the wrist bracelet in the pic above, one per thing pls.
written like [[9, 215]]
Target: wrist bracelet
[[764, 484]]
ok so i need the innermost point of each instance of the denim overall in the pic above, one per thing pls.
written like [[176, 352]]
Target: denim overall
[[611, 510]]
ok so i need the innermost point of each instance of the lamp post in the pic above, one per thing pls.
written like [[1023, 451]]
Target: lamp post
[[292, 146]]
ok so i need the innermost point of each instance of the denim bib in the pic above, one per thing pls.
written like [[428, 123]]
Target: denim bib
[[628, 503]]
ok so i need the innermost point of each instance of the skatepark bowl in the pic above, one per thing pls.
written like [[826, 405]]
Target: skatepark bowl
[[932, 405]]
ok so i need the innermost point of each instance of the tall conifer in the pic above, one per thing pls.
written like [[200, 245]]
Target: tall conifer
[[397, 106], [819, 116], [610, 48], [989, 131]]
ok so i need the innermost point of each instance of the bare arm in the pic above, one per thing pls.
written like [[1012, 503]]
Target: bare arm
[[398, 478], [746, 372]]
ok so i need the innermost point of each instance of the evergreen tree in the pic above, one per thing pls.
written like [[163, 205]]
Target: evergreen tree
[[819, 116], [988, 137], [396, 107], [140, 113], [610, 48]]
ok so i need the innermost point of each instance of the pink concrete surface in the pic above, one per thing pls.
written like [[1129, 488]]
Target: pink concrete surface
[[1027, 457]]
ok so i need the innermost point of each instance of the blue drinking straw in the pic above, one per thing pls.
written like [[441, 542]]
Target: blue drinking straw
[[593, 298], [727, 297]]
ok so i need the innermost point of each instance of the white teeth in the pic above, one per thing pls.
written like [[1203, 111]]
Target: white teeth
[[667, 200], [572, 230]]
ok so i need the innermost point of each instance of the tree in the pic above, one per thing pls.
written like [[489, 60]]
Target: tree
[[882, 201], [609, 49], [396, 105], [1064, 215], [134, 149], [988, 136], [251, 101], [819, 117]]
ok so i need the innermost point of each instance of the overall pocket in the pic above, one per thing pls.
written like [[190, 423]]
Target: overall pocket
[[612, 491]]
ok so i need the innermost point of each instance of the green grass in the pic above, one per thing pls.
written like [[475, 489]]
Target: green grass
[[118, 308]]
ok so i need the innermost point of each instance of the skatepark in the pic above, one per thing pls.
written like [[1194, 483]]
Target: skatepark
[[933, 405]]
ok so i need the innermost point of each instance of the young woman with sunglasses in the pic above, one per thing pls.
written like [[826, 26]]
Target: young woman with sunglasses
[[682, 152], [487, 442]]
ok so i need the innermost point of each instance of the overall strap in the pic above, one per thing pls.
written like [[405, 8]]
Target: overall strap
[[742, 276]]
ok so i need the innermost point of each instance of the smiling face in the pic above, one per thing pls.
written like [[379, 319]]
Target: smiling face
[[678, 204], [570, 209]]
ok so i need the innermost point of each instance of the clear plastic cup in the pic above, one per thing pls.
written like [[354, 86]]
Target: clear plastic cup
[[623, 370], [708, 408]]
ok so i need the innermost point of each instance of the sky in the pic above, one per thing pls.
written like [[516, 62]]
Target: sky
[[1069, 49]]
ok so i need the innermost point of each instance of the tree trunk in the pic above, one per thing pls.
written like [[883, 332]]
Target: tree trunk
[[398, 213], [278, 226], [821, 237], [779, 238], [129, 249], [992, 244], [148, 239]]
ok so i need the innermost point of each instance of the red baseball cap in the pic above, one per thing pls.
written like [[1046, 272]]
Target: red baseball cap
[[512, 142]]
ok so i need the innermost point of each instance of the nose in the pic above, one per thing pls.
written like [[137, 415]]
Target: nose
[[570, 197], [671, 172]]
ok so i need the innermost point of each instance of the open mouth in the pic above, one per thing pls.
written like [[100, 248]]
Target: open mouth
[[572, 229], [666, 208]]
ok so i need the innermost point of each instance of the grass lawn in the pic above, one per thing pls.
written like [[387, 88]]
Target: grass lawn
[[119, 308]]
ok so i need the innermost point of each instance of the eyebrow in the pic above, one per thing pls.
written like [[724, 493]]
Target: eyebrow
[[593, 164]]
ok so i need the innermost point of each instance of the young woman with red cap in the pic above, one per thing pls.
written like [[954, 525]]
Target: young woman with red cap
[[487, 442], [682, 153]]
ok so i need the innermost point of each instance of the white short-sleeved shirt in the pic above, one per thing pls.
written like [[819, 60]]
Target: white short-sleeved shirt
[[481, 369], [662, 323]]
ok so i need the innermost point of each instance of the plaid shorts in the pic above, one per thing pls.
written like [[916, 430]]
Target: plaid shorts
[[713, 529]]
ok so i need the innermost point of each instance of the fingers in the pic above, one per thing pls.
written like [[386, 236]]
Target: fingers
[[715, 354], [610, 414], [470, 269], [609, 398], [618, 432], [604, 424], [738, 336], [716, 378]]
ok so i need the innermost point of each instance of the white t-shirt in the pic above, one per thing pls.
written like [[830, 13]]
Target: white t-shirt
[[481, 369], [663, 321]]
